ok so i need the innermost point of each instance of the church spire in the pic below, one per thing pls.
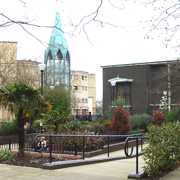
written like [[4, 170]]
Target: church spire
[[57, 57], [57, 36]]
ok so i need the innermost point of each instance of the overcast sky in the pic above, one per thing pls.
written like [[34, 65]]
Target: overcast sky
[[108, 45]]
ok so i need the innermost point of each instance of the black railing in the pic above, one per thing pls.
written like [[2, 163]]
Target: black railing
[[85, 117], [51, 141], [137, 138], [14, 145]]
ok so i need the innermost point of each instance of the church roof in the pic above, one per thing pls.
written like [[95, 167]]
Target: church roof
[[57, 40]]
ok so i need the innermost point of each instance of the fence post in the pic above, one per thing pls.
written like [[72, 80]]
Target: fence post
[[9, 144], [50, 148], [108, 145], [75, 146], [137, 155], [83, 148], [141, 143]]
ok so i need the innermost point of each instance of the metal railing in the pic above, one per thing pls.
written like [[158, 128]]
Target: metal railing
[[83, 138], [137, 152]]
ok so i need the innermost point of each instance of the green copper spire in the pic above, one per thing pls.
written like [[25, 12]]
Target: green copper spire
[[57, 39], [57, 57]]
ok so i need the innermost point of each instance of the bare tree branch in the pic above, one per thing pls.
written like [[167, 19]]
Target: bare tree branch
[[165, 12]]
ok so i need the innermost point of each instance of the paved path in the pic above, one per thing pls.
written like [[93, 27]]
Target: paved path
[[113, 170]]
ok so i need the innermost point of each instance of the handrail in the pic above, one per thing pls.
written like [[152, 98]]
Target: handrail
[[126, 148], [83, 143]]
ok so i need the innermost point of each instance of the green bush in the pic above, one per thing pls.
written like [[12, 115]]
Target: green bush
[[120, 102], [173, 115], [140, 121], [5, 154], [78, 125], [100, 126], [8, 128], [162, 153]]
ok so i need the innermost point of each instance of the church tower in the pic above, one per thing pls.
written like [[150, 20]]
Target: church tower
[[57, 58]]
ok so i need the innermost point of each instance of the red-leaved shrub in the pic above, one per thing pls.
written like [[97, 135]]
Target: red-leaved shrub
[[158, 117], [121, 122]]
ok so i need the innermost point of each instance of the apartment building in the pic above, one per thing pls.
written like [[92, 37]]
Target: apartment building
[[83, 86]]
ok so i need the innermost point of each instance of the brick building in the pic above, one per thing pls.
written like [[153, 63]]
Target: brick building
[[139, 84]]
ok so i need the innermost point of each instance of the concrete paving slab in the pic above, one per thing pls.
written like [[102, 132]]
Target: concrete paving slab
[[113, 170]]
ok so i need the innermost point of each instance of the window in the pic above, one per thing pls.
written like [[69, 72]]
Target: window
[[82, 100], [83, 111], [82, 88], [85, 88], [75, 77], [75, 87], [85, 100], [84, 77], [75, 112], [77, 100]]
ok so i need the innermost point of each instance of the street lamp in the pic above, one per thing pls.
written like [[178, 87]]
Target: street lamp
[[165, 93], [113, 84], [51, 87], [41, 68]]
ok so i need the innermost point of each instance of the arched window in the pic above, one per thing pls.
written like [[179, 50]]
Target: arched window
[[59, 54]]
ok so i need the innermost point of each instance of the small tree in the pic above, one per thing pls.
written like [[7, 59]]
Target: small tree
[[121, 121], [53, 119], [22, 98], [59, 98], [158, 117], [119, 102]]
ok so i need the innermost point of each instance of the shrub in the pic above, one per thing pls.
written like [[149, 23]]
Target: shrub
[[5, 154], [121, 122], [76, 125], [100, 126], [162, 153], [173, 115], [158, 117], [120, 102], [90, 143], [8, 128], [140, 121]]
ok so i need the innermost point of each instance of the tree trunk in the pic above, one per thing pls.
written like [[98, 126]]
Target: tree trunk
[[20, 119]]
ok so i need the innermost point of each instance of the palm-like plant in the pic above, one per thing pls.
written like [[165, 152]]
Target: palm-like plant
[[52, 119], [21, 98]]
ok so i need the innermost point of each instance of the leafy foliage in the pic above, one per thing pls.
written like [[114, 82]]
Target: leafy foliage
[[5, 154], [90, 143], [162, 152], [121, 122], [8, 128], [22, 98], [97, 126], [158, 117], [52, 119], [59, 98], [120, 102], [173, 115], [140, 121]]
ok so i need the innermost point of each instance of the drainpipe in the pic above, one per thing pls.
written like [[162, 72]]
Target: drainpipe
[[169, 88], [147, 81]]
